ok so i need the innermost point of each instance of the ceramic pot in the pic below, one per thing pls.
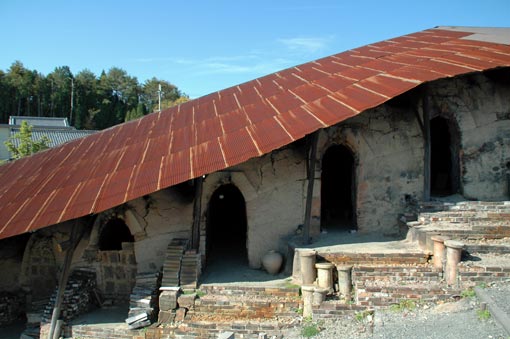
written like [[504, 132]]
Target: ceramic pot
[[272, 262]]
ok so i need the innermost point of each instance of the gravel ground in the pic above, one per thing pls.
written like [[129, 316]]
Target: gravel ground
[[446, 321]]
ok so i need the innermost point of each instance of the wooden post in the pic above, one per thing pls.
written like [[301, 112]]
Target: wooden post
[[197, 211], [426, 147], [76, 233], [309, 193]]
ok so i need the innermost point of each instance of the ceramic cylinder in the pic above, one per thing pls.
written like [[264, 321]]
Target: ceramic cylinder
[[319, 295], [307, 263], [325, 275], [344, 281], [453, 256], [307, 293], [439, 251]]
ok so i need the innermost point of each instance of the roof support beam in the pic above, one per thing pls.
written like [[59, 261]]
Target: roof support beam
[[197, 212], [77, 232], [311, 179], [426, 146]]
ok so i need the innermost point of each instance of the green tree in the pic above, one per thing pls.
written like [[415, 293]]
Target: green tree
[[61, 92], [86, 99], [5, 97], [21, 81], [170, 94], [136, 113], [26, 145]]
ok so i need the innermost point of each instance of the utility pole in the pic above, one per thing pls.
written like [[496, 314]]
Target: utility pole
[[72, 102], [160, 93]]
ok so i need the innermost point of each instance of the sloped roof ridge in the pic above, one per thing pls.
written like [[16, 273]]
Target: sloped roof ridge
[[228, 127]]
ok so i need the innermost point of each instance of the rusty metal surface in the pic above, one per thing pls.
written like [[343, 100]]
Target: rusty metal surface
[[228, 127]]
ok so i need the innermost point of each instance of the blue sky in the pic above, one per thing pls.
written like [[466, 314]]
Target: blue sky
[[205, 46]]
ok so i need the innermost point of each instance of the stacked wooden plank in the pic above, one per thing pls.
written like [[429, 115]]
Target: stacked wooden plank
[[77, 295], [143, 300], [172, 264]]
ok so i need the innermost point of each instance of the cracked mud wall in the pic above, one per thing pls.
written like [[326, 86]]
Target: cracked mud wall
[[387, 145], [388, 148], [154, 221], [480, 104], [272, 187]]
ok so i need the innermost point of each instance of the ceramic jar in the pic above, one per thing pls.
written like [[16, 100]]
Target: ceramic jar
[[272, 262]]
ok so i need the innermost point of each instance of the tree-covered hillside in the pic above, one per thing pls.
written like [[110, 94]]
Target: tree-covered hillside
[[87, 100]]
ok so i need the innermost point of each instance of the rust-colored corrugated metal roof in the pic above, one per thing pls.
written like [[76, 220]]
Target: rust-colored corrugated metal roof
[[228, 127]]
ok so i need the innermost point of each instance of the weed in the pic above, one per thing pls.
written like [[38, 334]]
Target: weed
[[288, 284], [469, 293], [482, 285], [483, 314], [310, 328], [403, 305], [361, 316], [200, 293], [299, 311]]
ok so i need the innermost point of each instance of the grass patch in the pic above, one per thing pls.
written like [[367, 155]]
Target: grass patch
[[288, 284], [200, 293], [310, 328], [483, 314], [469, 293], [404, 305]]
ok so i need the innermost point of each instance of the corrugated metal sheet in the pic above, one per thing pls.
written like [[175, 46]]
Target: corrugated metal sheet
[[228, 127], [56, 136]]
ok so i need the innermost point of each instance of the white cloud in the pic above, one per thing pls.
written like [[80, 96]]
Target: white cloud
[[308, 45]]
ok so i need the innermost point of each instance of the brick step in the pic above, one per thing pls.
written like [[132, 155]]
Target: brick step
[[481, 206], [434, 206], [246, 291], [422, 234], [490, 222], [240, 307], [362, 275], [487, 248], [209, 328], [335, 309], [493, 232], [381, 295], [469, 223], [429, 218], [396, 258]]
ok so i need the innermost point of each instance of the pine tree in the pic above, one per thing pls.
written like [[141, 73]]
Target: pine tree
[[26, 145]]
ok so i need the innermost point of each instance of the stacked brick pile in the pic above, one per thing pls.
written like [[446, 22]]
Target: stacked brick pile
[[143, 300], [247, 311], [11, 306]]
